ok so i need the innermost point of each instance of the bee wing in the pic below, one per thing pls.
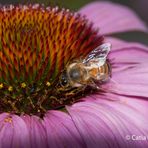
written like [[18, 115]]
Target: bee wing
[[99, 54]]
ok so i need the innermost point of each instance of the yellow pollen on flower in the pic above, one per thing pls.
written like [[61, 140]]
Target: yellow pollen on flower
[[23, 85], [1, 85], [48, 84], [10, 88]]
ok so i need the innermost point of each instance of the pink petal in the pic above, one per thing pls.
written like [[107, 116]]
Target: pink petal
[[61, 132], [112, 18], [129, 71], [133, 81], [123, 54], [104, 123], [37, 133], [13, 132], [118, 44]]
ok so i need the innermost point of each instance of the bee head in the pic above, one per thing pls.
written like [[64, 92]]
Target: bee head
[[75, 74]]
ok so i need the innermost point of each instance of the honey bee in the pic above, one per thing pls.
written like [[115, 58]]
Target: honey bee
[[94, 68]]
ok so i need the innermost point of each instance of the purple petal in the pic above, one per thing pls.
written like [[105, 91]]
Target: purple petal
[[118, 44], [129, 71], [61, 132], [112, 18], [104, 123], [130, 81], [36, 131], [13, 132], [123, 54]]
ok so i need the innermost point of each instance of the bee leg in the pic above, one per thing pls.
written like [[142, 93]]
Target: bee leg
[[94, 85]]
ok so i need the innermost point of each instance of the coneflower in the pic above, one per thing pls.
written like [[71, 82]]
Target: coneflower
[[36, 45]]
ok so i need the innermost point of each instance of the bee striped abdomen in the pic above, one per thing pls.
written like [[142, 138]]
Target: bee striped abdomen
[[104, 72]]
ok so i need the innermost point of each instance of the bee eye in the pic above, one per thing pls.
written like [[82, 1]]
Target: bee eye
[[64, 79]]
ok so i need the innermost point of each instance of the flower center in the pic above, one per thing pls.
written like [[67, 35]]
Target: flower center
[[36, 45]]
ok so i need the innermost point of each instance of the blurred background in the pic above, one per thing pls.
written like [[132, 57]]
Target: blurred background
[[139, 6]]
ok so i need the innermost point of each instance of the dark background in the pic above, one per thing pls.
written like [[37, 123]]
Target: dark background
[[139, 6]]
